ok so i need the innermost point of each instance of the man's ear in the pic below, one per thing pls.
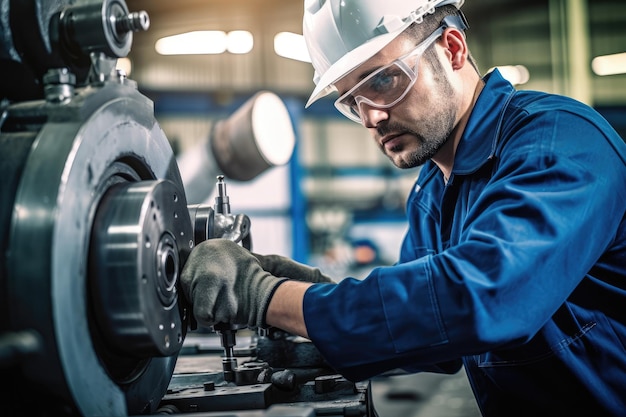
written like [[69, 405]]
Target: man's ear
[[455, 47]]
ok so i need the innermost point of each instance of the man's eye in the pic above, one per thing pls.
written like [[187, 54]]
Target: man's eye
[[385, 80]]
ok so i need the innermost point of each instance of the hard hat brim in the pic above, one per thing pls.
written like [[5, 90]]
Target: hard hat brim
[[348, 63]]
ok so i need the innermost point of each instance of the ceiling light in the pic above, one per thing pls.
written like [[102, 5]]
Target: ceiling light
[[515, 74], [193, 43], [292, 46], [239, 42], [609, 64]]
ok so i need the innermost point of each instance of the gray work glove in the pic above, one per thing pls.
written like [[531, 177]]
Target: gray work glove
[[281, 266], [225, 283]]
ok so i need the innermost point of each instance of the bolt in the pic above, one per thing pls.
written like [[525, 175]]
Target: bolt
[[59, 76], [133, 22]]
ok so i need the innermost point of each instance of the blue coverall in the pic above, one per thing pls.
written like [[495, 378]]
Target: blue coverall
[[516, 268]]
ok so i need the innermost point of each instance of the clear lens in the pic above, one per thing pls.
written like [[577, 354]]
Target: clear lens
[[382, 87], [386, 86]]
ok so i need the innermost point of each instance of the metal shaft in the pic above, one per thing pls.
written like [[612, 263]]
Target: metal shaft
[[227, 336]]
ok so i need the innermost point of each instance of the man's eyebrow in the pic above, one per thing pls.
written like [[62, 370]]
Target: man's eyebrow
[[369, 72], [362, 76]]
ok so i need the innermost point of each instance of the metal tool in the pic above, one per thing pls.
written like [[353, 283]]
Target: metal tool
[[226, 331]]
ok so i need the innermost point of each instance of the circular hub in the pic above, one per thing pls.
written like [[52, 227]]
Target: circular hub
[[134, 264], [95, 236]]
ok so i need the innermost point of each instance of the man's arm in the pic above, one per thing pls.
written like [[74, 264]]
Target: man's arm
[[285, 308]]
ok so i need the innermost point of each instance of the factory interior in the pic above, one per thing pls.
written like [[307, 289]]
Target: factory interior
[[208, 103]]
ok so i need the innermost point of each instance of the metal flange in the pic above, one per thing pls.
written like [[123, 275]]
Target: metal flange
[[79, 152], [134, 267]]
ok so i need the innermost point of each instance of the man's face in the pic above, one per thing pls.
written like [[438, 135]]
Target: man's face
[[412, 131]]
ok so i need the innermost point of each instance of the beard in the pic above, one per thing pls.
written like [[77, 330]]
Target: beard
[[434, 129]]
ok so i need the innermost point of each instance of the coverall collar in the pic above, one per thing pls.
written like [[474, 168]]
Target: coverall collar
[[478, 142]]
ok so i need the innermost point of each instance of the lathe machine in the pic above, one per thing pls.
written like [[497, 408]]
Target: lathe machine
[[95, 227]]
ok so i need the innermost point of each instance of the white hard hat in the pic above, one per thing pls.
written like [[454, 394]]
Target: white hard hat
[[342, 34]]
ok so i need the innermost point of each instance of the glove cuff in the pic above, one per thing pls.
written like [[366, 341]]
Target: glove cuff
[[281, 266], [261, 320]]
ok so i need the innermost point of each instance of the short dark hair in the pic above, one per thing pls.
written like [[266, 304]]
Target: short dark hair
[[419, 31]]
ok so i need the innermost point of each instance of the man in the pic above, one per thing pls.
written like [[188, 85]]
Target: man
[[514, 264]]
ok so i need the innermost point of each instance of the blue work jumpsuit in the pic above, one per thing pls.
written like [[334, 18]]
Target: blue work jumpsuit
[[516, 268]]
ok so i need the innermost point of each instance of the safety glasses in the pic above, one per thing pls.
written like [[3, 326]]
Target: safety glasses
[[386, 86]]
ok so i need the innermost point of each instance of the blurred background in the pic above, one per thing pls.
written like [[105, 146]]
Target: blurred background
[[338, 202]]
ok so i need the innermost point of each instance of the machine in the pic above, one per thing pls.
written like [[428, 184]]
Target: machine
[[96, 225]]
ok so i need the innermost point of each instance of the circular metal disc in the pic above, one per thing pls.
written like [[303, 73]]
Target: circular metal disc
[[134, 267], [102, 137]]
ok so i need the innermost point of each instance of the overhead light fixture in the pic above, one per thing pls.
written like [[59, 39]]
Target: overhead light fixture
[[515, 74], [193, 43], [202, 42], [292, 46], [239, 42], [609, 64]]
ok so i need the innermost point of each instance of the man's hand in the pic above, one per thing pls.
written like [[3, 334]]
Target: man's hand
[[225, 283], [281, 266]]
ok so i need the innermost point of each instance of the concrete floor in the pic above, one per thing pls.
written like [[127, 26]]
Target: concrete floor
[[424, 395]]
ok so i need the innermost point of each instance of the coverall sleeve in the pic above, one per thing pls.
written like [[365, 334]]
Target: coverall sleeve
[[526, 241]]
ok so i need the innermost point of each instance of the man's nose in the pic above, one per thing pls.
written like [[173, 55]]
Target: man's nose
[[372, 116]]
